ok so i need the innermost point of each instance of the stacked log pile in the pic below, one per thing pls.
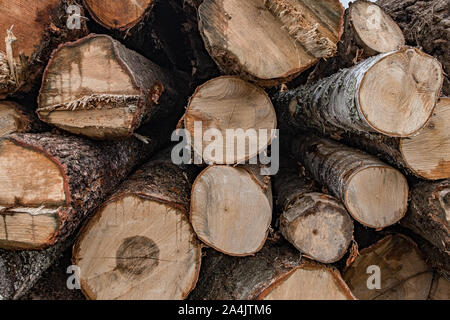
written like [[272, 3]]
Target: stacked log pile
[[313, 154]]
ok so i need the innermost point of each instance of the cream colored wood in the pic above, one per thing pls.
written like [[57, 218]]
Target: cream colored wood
[[377, 196], [28, 178], [374, 28], [136, 248], [397, 95], [9, 120], [231, 103], [428, 152], [317, 283], [229, 210], [265, 42], [87, 77]]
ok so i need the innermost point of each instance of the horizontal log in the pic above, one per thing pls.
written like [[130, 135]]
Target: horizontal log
[[139, 244], [50, 183], [375, 194]]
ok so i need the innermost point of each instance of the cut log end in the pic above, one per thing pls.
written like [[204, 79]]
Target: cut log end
[[31, 191], [377, 196], [319, 226], [230, 210], [403, 272], [121, 15], [96, 96], [231, 103], [270, 40], [375, 30], [398, 94], [149, 244], [428, 153], [309, 282]]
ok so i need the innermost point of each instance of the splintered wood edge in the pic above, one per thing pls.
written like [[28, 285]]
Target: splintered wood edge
[[38, 211], [354, 211], [263, 191], [373, 117], [124, 26], [84, 230], [118, 59], [366, 32], [427, 154], [261, 91], [309, 265], [216, 51]]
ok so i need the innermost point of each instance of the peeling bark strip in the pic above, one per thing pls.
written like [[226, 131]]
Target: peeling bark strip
[[50, 183], [403, 273], [231, 209], [98, 88], [32, 29], [368, 31], [16, 118], [317, 224], [393, 94], [375, 194], [140, 242], [270, 41], [276, 272], [425, 24], [20, 270], [429, 212]]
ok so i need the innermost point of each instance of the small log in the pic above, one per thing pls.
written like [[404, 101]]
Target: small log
[[231, 209], [229, 103], [429, 212], [424, 24], [393, 94], [20, 270], [375, 194], [317, 224], [277, 272], [16, 118], [403, 272], [29, 32], [139, 244], [368, 31], [98, 88], [270, 41], [50, 183]]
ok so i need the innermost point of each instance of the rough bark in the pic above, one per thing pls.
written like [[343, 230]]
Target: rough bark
[[20, 270], [157, 183], [337, 167], [315, 223], [38, 30], [379, 34], [52, 285], [337, 104], [90, 171], [231, 278], [425, 24], [148, 92], [270, 41], [429, 212], [14, 117]]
